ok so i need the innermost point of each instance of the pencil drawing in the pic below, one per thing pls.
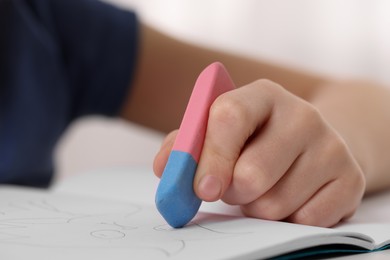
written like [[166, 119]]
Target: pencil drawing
[[108, 234], [94, 224]]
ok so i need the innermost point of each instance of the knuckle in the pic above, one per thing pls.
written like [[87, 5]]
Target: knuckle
[[269, 89], [311, 117], [334, 149], [335, 153], [228, 110], [307, 117], [268, 85], [247, 179], [266, 209], [244, 188]]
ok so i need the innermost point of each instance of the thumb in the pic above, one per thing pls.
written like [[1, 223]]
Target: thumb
[[161, 158]]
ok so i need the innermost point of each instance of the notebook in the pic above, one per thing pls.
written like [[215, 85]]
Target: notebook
[[110, 214]]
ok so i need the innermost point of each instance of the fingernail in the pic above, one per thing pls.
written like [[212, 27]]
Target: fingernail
[[210, 188]]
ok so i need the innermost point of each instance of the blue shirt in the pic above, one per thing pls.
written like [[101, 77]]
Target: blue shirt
[[59, 60]]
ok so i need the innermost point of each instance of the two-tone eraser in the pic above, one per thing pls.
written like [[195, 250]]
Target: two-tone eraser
[[175, 196]]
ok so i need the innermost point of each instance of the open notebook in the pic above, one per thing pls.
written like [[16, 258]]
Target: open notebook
[[111, 215]]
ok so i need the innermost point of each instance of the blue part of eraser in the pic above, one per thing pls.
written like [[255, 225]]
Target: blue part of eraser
[[175, 197]]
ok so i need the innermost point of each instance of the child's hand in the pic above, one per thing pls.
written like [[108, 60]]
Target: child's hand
[[273, 154]]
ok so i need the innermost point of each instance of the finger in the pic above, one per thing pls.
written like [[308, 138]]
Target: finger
[[301, 181], [233, 118], [334, 202], [161, 158]]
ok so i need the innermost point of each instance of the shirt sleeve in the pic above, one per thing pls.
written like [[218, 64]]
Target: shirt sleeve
[[99, 49], [59, 60]]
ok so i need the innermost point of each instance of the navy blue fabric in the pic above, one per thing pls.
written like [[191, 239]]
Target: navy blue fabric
[[59, 60]]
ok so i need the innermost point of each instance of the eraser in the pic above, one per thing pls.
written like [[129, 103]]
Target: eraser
[[175, 196]]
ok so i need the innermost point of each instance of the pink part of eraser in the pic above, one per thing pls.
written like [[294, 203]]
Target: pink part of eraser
[[212, 82]]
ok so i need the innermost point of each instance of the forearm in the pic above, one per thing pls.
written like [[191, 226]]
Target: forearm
[[168, 68], [360, 113]]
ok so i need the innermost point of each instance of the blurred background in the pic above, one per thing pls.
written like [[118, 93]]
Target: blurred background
[[339, 38]]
